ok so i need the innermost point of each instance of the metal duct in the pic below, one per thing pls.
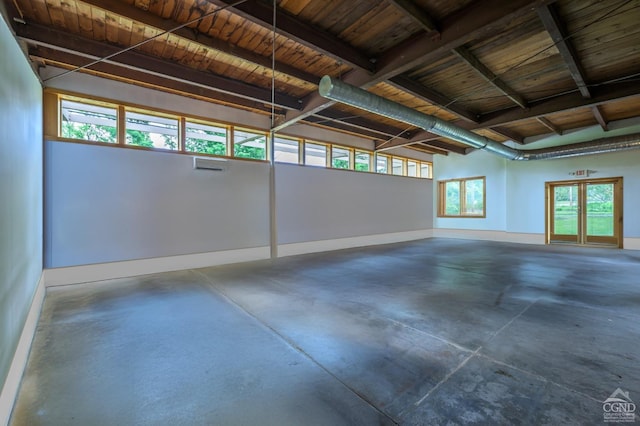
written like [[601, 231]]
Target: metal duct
[[347, 94]]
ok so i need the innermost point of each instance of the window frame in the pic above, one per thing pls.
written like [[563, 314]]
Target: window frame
[[327, 153], [232, 142], [90, 103], [442, 198], [389, 164], [184, 123], [429, 165], [350, 160], [371, 156], [52, 104], [154, 114], [299, 154]]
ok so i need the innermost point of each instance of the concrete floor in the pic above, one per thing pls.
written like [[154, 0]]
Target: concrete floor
[[428, 332]]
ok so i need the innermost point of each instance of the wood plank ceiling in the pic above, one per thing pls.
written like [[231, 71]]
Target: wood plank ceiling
[[507, 69]]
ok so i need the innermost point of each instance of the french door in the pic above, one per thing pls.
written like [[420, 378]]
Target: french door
[[587, 212]]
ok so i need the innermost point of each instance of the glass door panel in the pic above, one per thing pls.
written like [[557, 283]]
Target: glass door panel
[[566, 217], [585, 212], [599, 215]]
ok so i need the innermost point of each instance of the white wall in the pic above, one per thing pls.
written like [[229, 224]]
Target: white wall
[[516, 189], [477, 163], [525, 187], [20, 201], [315, 203], [107, 204]]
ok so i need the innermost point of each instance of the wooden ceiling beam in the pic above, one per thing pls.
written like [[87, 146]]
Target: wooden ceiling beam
[[508, 133], [442, 145], [421, 91], [484, 72], [418, 14], [69, 59], [427, 149], [72, 61], [415, 12], [55, 39], [261, 13], [599, 116], [478, 19], [553, 24], [601, 94], [474, 21], [342, 127], [549, 125], [422, 137], [363, 123], [187, 33]]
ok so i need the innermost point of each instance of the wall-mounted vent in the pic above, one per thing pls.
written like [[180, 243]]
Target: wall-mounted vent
[[213, 164]]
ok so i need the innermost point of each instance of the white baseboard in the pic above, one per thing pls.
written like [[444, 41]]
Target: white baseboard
[[16, 369], [343, 243], [131, 268], [631, 243], [510, 237], [501, 236]]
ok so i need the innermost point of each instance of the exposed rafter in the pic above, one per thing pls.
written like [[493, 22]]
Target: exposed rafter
[[597, 113], [421, 91], [224, 58], [471, 60], [478, 19], [342, 126], [67, 59], [602, 94], [510, 134], [416, 13], [474, 21], [262, 14], [425, 138], [138, 15], [48, 37], [549, 125], [552, 24], [363, 123], [428, 149]]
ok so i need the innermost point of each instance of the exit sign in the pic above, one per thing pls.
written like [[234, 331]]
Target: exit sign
[[582, 173]]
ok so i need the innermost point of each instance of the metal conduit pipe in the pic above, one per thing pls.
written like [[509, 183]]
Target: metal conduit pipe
[[350, 95]]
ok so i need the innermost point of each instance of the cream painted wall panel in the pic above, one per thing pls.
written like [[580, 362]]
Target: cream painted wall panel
[[107, 204], [477, 163], [515, 189], [315, 204], [20, 199], [526, 180]]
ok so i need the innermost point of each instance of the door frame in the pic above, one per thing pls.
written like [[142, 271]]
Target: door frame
[[582, 238]]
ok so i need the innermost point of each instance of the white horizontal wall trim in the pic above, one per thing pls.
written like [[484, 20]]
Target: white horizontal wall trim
[[19, 362], [343, 243], [501, 236], [131, 268]]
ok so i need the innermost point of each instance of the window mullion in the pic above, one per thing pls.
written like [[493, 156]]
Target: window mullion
[[182, 134], [463, 197], [122, 133]]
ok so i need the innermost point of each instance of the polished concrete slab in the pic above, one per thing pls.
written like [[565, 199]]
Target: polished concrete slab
[[428, 332]]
